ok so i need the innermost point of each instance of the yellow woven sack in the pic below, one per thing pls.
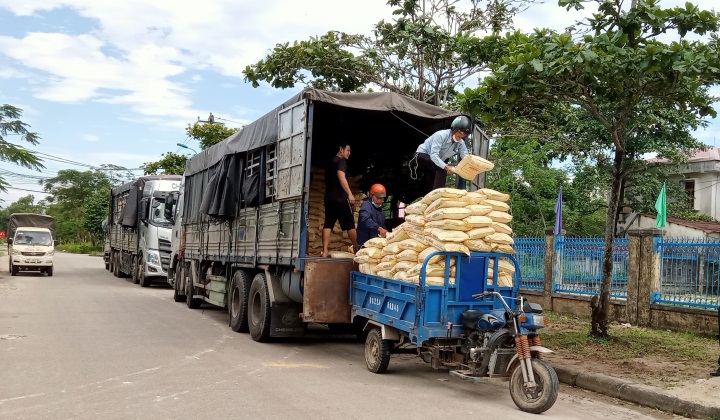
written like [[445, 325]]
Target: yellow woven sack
[[410, 228], [499, 216], [415, 219], [456, 213], [403, 266], [438, 281], [376, 242], [438, 271], [408, 255], [368, 251], [416, 208], [501, 228], [412, 245], [504, 266], [447, 235], [479, 209], [361, 259], [502, 248], [420, 237], [383, 273], [427, 251], [391, 249], [448, 246], [400, 275], [480, 233], [448, 224], [385, 266], [443, 192], [389, 258], [494, 195], [505, 280], [500, 238], [473, 197], [477, 245], [398, 234], [415, 270], [443, 203], [470, 166], [368, 268], [473, 222], [497, 205]]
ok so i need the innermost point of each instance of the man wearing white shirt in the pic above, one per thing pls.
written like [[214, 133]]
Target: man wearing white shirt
[[432, 155]]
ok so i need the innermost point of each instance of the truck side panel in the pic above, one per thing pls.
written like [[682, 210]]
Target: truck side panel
[[279, 232]]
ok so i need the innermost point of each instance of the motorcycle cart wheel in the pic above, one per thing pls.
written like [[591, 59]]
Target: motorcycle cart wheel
[[545, 393], [377, 351]]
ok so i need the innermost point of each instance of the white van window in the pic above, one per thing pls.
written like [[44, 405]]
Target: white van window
[[24, 237]]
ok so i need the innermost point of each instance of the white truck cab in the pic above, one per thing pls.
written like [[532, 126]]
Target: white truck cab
[[31, 245]]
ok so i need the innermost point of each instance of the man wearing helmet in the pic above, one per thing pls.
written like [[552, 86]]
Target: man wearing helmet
[[371, 220], [431, 156]]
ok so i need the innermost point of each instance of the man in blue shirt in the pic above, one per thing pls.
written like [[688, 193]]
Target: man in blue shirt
[[431, 156], [371, 220]]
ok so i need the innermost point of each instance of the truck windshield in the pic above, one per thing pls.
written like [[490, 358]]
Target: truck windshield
[[157, 214], [23, 237]]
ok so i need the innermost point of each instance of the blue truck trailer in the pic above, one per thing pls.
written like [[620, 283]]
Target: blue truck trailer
[[470, 325]]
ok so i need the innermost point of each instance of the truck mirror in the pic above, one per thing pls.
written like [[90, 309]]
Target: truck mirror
[[170, 200], [56, 242]]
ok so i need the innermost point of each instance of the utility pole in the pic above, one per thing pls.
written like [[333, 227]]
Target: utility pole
[[210, 120]]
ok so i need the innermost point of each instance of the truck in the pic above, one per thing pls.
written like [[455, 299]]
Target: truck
[[246, 220], [31, 243], [138, 232]]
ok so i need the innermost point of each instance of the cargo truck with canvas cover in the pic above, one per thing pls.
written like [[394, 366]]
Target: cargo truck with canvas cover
[[31, 243], [249, 228], [138, 232]]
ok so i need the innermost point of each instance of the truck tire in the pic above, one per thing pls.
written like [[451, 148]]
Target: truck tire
[[179, 273], [377, 351], [192, 303], [111, 263], [116, 265], [545, 393], [259, 309], [238, 301], [144, 281], [14, 270], [49, 271], [134, 270]]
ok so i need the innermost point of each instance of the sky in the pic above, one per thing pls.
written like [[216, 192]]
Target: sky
[[117, 82]]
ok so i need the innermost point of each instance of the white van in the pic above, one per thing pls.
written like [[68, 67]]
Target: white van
[[31, 247]]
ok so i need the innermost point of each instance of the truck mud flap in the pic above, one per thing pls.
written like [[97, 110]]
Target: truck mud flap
[[286, 321], [326, 295]]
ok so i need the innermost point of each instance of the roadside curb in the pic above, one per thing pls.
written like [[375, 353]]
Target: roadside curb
[[632, 392]]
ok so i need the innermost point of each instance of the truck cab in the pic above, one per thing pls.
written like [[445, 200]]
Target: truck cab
[[155, 230], [31, 248]]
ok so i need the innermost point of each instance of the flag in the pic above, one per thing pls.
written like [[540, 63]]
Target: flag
[[558, 215], [661, 207]]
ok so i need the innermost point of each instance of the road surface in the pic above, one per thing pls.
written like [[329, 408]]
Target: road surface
[[86, 345]]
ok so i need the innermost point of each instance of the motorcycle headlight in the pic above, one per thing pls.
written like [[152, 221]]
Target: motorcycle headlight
[[153, 258]]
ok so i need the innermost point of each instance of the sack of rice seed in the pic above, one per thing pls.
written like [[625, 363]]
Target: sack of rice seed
[[442, 192], [419, 237], [448, 246], [384, 273], [415, 219], [447, 235], [480, 233], [479, 209], [448, 213], [449, 224], [416, 208], [474, 222], [385, 266], [426, 252], [501, 228], [503, 249], [400, 275], [470, 166], [403, 266], [376, 243], [438, 281], [391, 249], [504, 265], [443, 203], [389, 258], [411, 244], [473, 197], [494, 195], [438, 271], [398, 234], [499, 216], [477, 245], [500, 238], [497, 205], [368, 251], [408, 255]]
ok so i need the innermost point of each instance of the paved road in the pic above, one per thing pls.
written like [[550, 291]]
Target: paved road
[[84, 344]]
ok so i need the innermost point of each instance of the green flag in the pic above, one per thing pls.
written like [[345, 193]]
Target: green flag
[[661, 207]]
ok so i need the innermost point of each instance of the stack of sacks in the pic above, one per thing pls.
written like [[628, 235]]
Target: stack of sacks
[[339, 240], [449, 220]]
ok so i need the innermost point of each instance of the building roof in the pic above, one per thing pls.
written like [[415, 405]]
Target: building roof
[[707, 227], [709, 155]]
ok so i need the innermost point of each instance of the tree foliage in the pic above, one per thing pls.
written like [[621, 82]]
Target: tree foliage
[[209, 134], [619, 85], [24, 204], [10, 124], [170, 164], [429, 49]]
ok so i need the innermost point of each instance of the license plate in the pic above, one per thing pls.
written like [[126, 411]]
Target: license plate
[[33, 261]]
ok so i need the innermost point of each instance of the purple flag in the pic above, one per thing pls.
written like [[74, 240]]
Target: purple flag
[[558, 214]]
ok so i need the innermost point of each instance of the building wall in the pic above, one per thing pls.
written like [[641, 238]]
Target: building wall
[[707, 185], [671, 230]]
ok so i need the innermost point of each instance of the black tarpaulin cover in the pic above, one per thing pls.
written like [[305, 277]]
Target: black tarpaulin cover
[[29, 220], [129, 216]]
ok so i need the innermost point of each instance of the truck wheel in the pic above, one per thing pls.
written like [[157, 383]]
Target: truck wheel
[[14, 270], [134, 272], [545, 393], [179, 273], [49, 271], [144, 281], [116, 265], [259, 309], [192, 303], [238, 305], [111, 263], [377, 351]]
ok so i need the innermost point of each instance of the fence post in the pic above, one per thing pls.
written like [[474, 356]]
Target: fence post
[[548, 275], [633, 284], [648, 273]]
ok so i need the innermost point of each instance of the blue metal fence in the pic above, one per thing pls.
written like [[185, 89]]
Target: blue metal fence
[[580, 266], [531, 256], [689, 272]]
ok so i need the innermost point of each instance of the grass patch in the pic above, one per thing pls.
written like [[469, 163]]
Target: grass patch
[[82, 248]]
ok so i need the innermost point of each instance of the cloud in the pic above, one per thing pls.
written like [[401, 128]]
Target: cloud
[[90, 137]]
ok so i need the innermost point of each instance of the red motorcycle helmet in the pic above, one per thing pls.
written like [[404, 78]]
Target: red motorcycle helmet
[[378, 190]]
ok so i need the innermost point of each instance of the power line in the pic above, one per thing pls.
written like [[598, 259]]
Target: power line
[[23, 189]]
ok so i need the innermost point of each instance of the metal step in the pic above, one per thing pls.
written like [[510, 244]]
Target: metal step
[[466, 375]]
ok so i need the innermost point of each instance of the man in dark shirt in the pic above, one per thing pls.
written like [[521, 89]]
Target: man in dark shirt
[[339, 199], [371, 220]]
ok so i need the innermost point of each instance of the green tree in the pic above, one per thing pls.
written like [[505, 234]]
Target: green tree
[[209, 134], [22, 205], [616, 81], [170, 164], [426, 52], [95, 210], [10, 124]]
